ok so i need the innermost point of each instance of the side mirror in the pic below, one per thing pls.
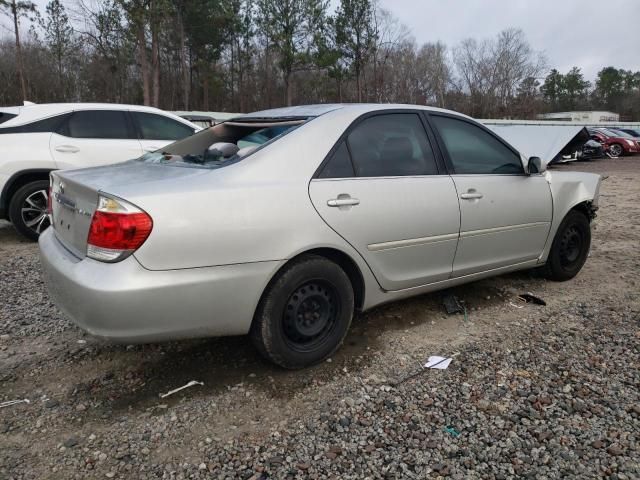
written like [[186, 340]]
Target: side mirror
[[535, 165]]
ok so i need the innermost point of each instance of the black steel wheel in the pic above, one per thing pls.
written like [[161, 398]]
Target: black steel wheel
[[28, 209], [304, 313], [570, 247], [310, 315]]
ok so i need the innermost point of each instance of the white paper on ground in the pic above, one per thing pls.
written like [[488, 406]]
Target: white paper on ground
[[440, 363]]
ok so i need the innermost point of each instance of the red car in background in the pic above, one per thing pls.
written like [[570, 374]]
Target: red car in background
[[616, 143]]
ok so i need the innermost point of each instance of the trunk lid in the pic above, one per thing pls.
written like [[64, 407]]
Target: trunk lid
[[72, 205], [75, 194]]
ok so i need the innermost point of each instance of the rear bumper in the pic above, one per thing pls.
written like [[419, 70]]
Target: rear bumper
[[125, 302]]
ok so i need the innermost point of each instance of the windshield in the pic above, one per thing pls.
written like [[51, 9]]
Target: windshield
[[615, 133], [220, 145]]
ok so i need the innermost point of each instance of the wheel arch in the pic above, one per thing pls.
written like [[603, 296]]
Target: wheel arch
[[342, 259], [18, 180], [587, 208], [571, 191]]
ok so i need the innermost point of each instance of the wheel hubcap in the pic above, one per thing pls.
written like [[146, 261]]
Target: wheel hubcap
[[34, 211], [571, 246], [310, 315], [616, 150]]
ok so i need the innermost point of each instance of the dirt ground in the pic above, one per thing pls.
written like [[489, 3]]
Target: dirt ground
[[80, 388]]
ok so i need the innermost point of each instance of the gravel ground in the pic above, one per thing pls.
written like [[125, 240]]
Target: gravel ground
[[533, 392]]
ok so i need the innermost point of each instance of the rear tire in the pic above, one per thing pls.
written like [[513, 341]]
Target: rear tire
[[304, 314], [570, 247], [28, 209]]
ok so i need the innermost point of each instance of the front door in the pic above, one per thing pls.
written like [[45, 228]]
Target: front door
[[94, 137], [505, 213], [382, 192]]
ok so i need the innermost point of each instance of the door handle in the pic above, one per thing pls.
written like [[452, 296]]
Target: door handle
[[343, 200], [67, 149], [471, 195]]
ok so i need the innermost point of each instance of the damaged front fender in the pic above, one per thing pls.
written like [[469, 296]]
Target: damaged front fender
[[570, 190]]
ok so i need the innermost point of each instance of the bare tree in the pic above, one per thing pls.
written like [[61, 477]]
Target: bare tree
[[491, 70], [434, 73], [356, 35], [389, 33], [15, 10]]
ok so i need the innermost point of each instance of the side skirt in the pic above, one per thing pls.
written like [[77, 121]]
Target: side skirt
[[379, 297]]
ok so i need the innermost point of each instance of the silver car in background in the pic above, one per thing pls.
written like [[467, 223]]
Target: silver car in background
[[283, 223]]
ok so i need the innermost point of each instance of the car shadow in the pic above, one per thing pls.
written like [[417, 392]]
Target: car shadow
[[136, 375]]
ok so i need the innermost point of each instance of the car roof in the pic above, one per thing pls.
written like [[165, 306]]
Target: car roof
[[32, 112], [308, 111]]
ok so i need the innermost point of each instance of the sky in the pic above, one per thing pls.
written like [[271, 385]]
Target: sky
[[590, 34]]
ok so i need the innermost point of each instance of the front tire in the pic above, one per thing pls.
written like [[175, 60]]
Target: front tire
[[305, 313], [570, 247], [616, 150], [28, 209]]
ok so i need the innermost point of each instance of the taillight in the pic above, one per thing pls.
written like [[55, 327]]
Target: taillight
[[117, 230]]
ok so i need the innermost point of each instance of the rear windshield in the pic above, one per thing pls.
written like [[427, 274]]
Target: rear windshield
[[4, 116], [221, 144]]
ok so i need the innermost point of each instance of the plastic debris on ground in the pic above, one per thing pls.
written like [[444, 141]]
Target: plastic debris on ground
[[452, 431], [531, 298], [452, 304], [14, 402], [176, 390]]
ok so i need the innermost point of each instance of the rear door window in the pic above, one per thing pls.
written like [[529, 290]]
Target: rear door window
[[391, 145], [105, 124], [45, 125], [475, 151], [4, 116], [157, 127], [339, 165]]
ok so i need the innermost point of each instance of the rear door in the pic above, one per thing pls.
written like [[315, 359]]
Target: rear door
[[94, 137], [506, 214], [382, 190], [156, 131]]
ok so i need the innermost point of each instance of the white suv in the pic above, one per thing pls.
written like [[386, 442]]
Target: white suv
[[36, 139]]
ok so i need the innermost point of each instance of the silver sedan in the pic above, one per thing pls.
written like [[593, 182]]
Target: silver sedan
[[284, 223]]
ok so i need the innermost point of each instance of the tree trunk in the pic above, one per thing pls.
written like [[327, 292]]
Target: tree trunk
[[267, 85], [23, 84], [144, 66], [183, 63], [205, 88], [358, 87], [155, 59], [375, 75], [288, 90], [232, 76]]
